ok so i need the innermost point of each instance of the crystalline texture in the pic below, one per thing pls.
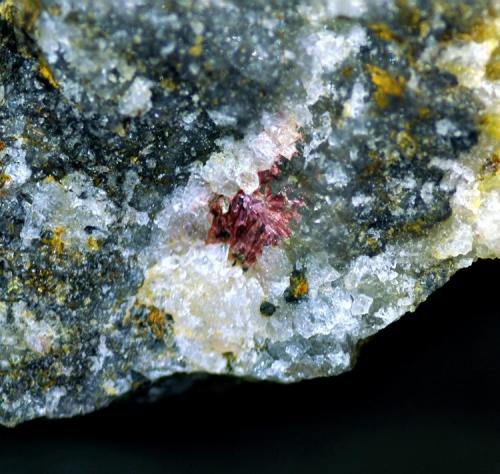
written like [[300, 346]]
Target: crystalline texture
[[244, 188]]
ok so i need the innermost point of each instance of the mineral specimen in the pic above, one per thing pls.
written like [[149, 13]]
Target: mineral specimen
[[221, 186]]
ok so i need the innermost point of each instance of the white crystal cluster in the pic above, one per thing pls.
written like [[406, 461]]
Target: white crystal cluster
[[215, 307], [102, 64], [322, 10], [137, 99], [326, 51], [16, 169], [474, 227], [72, 206], [237, 165]]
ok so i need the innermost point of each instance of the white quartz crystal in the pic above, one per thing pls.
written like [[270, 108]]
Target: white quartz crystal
[[326, 50], [16, 169], [137, 99], [237, 165], [73, 206], [321, 10], [189, 286]]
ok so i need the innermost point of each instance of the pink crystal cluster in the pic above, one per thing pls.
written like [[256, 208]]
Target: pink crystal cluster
[[250, 222]]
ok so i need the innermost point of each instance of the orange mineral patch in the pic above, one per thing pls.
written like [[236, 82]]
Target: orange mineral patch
[[387, 85]]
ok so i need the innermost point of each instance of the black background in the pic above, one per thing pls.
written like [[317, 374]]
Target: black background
[[423, 398]]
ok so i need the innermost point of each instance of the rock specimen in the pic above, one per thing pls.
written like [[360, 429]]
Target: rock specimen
[[219, 186]]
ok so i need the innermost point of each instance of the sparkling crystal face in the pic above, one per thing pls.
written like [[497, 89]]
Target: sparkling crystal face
[[249, 188]]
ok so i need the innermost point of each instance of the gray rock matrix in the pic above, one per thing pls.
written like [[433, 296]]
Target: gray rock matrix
[[232, 187]]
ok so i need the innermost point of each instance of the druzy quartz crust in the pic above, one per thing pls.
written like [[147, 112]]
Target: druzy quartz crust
[[225, 187]]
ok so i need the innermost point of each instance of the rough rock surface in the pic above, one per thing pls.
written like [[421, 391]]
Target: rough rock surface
[[219, 186]]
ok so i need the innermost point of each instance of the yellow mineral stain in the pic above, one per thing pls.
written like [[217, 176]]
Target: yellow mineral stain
[[424, 28], [93, 244], [4, 179], [490, 124], [119, 129], [480, 31], [385, 82], [492, 70], [197, 49], [46, 73], [412, 17], [387, 85], [55, 242], [373, 243], [157, 321], [381, 99], [383, 31], [299, 286], [490, 183], [406, 143], [416, 227], [169, 84], [21, 13], [110, 389], [424, 113]]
